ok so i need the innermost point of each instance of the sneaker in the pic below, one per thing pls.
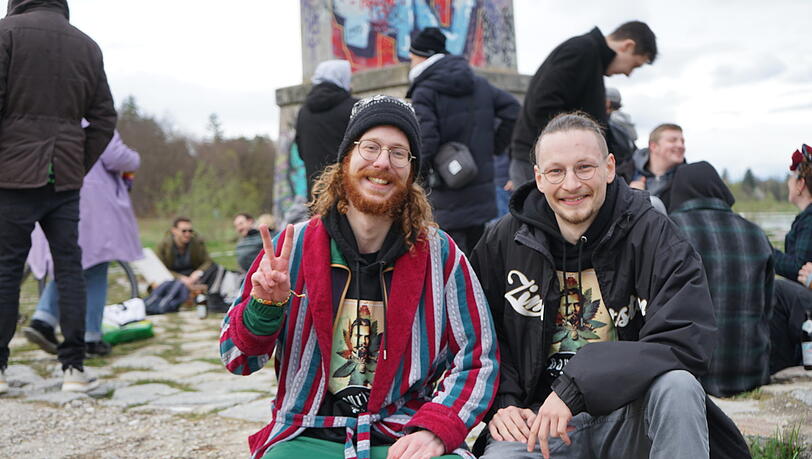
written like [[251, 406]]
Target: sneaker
[[77, 380], [41, 334], [97, 348], [3, 382]]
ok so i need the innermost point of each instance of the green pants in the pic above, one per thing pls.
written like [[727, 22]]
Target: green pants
[[303, 447]]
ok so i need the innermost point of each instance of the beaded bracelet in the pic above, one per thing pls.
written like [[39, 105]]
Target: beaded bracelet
[[277, 304]]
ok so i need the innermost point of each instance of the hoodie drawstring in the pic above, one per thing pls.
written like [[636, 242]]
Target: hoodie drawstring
[[564, 278], [581, 243], [385, 301]]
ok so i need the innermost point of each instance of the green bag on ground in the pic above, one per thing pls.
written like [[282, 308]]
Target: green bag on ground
[[131, 332]]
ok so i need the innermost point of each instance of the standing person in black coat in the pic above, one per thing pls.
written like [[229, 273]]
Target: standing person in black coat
[[324, 116], [571, 78], [51, 76], [455, 105]]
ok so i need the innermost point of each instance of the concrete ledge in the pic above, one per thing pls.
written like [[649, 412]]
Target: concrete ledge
[[394, 80]]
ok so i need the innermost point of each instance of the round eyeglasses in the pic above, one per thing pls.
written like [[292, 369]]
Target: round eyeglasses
[[370, 150], [556, 175]]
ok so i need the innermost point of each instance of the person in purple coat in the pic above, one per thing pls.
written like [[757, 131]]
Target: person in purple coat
[[107, 231]]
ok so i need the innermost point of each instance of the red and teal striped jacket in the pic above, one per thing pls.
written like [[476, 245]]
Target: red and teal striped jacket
[[440, 368]]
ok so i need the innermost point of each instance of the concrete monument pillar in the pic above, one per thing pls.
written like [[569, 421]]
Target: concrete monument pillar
[[374, 35]]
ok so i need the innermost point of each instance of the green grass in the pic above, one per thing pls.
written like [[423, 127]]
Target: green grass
[[784, 444], [755, 394]]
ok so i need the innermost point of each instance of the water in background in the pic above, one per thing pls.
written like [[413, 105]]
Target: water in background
[[775, 224]]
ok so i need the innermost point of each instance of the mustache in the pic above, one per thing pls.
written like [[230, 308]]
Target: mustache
[[383, 175]]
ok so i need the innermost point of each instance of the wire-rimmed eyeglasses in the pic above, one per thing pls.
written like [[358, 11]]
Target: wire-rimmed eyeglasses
[[370, 150], [556, 175]]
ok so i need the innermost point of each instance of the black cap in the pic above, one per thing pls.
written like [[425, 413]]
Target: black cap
[[428, 42], [382, 110]]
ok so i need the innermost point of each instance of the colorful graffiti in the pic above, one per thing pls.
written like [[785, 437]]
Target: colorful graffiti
[[375, 33]]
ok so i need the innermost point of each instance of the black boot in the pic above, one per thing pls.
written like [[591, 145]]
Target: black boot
[[41, 334]]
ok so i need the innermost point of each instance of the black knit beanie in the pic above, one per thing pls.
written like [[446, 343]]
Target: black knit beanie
[[428, 42], [382, 110]]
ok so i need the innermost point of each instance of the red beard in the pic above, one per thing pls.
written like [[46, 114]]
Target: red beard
[[391, 206]]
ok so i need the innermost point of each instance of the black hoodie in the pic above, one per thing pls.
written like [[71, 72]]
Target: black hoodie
[[652, 283], [320, 127], [695, 181], [360, 279]]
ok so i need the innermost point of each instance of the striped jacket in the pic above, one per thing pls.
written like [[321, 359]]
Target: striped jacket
[[439, 370]]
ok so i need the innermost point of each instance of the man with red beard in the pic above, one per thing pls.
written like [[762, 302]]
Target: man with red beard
[[603, 313], [383, 343]]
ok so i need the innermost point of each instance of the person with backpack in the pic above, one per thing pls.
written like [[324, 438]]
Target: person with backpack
[[454, 105]]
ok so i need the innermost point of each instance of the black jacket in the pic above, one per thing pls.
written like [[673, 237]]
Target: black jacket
[[652, 282], [571, 78], [51, 76], [455, 105], [320, 127]]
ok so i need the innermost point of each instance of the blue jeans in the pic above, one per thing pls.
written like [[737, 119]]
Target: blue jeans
[[96, 283], [58, 214]]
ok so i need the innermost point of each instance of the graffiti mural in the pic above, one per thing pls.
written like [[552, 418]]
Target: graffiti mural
[[375, 33]]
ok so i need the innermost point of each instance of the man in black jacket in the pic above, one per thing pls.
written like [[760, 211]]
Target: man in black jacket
[[603, 315], [51, 76], [323, 118], [455, 105], [571, 78]]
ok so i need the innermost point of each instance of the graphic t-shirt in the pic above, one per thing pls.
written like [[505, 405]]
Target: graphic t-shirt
[[582, 319], [357, 333]]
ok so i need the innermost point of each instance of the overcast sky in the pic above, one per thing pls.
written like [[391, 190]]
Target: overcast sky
[[737, 75]]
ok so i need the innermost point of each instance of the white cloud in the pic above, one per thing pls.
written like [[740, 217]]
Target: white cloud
[[736, 74]]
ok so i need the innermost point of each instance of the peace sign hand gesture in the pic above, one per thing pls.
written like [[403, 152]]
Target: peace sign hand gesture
[[270, 282]]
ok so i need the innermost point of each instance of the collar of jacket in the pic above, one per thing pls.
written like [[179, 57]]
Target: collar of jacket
[[408, 281], [606, 53], [418, 69], [704, 204]]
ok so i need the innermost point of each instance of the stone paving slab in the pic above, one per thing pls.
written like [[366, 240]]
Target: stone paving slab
[[152, 349], [180, 371], [140, 394], [776, 389], [152, 362], [59, 398], [792, 374], [21, 375], [803, 395], [257, 411], [206, 335], [143, 376], [202, 348], [227, 382], [198, 402], [734, 407]]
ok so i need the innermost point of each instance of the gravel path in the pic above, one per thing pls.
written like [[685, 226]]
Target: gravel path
[[170, 397], [85, 429]]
